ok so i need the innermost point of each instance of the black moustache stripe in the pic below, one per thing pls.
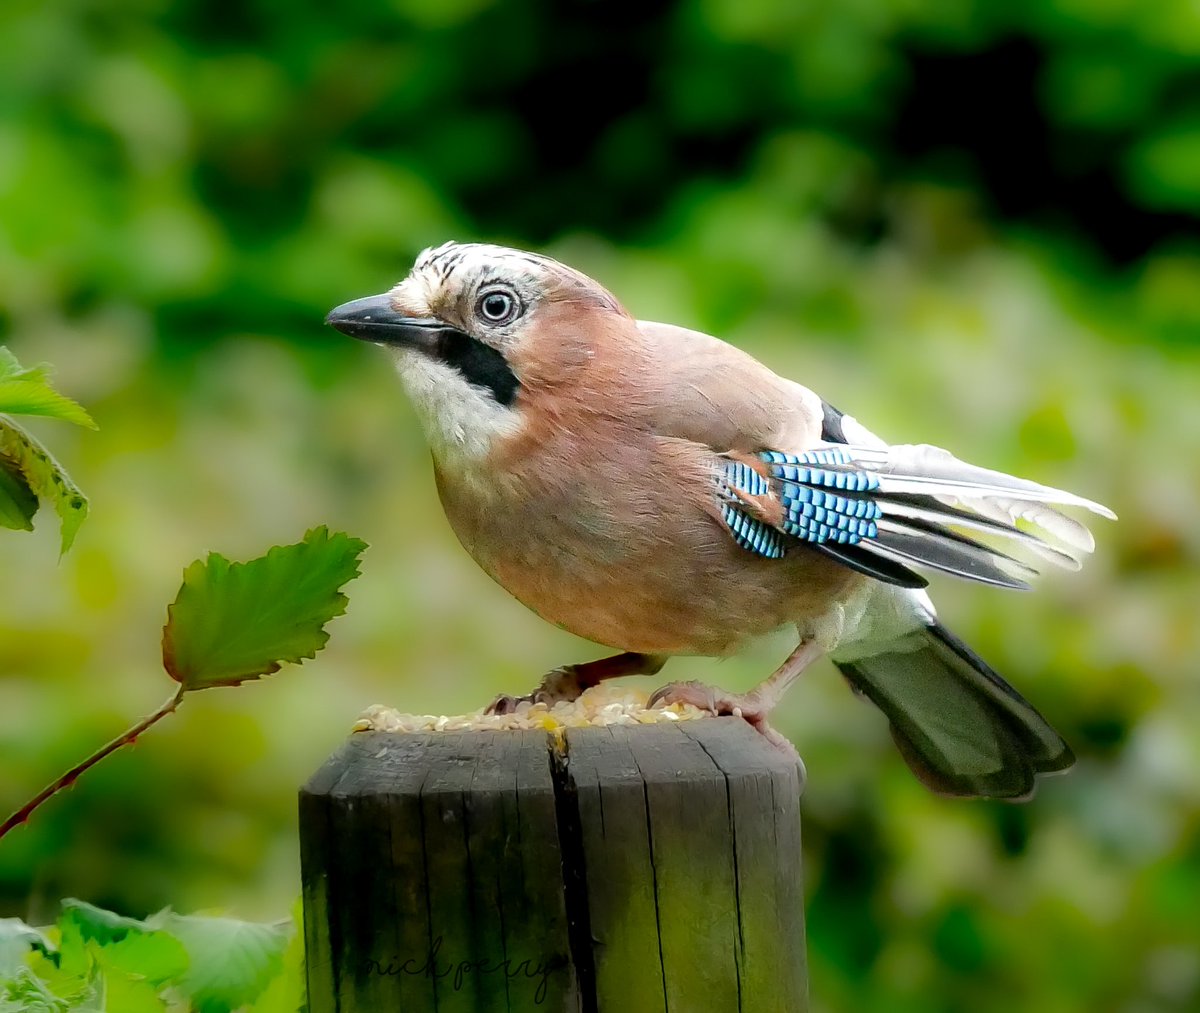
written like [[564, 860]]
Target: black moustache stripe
[[480, 364]]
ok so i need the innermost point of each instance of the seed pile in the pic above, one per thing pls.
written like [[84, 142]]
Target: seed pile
[[599, 706]]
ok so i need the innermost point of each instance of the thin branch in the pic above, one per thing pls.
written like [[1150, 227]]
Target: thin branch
[[69, 778]]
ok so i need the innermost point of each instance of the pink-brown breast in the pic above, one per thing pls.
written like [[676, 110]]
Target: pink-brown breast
[[612, 533]]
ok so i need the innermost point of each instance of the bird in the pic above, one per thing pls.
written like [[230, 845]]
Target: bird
[[661, 492]]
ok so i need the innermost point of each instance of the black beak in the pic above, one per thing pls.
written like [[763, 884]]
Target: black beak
[[373, 319]]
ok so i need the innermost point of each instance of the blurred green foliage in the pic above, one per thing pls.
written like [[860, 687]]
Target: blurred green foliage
[[93, 959], [967, 223]]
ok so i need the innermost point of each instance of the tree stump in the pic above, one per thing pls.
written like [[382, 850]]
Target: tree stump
[[610, 869]]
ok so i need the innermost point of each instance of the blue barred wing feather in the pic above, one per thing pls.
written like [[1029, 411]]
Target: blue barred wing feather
[[749, 532], [862, 508]]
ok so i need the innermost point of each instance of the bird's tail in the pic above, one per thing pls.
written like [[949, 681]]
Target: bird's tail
[[961, 728]]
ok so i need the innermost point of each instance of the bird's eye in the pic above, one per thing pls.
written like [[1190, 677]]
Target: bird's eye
[[499, 306]]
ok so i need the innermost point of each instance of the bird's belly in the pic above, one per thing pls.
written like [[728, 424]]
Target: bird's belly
[[693, 592], [636, 610], [636, 615]]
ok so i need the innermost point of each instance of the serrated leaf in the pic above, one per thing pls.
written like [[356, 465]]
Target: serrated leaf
[[17, 941], [74, 959], [128, 959], [89, 997], [231, 961], [29, 392], [43, 476], [95, 924], [18, 504], [236, 621]]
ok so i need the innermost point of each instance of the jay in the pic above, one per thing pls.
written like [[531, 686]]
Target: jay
[[658, 491]]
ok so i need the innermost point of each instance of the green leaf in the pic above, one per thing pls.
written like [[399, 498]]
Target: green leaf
[[72, 987], [73, 978], [236, 621], [231, 962], [287, 991], [86, 995], [42, 476], [26, 994], [94, 924], [129, 959], [18, 504], [129, 995], [29, 392], [17, 940], [152, 955]]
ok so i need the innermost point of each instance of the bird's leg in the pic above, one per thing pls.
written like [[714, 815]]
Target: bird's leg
[[569, 682], [754, 706]]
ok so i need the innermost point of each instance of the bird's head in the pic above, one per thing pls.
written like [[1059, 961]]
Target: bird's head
[[479, 332]]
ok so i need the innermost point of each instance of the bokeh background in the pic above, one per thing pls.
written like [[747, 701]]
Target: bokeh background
[[968, 223]]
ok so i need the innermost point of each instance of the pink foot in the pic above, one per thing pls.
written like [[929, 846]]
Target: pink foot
[[747, 706]]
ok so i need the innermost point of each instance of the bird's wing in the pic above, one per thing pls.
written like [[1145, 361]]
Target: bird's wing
[[1008, 507], [798, 471], [881, 510], [714, 394]]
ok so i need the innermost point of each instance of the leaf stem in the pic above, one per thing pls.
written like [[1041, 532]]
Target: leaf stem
[[125, 738]]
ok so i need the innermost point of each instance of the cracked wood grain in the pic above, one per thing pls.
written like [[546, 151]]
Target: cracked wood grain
[[622, 868]]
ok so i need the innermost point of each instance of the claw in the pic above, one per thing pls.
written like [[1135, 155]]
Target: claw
[[506, 704], [697, 694], [562, 684], [747, 706]]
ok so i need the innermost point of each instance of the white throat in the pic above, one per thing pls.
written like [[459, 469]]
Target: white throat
[[462, 422]]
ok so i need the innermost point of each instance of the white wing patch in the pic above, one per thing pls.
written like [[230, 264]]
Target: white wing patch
[[932, 471]]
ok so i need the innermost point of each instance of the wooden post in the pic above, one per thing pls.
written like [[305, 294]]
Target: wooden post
[[621, 868]]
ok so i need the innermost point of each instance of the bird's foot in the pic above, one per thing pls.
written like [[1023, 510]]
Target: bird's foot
[[568, 683], [560, 685], [750, 707]]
